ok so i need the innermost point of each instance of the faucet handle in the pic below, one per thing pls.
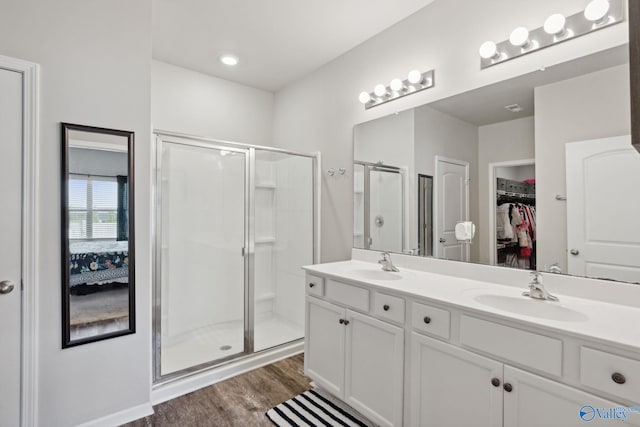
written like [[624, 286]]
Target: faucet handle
[[386, 256], [536, 277]]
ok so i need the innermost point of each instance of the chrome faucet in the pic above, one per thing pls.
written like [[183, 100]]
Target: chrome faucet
[[387, 264], [537, 289]]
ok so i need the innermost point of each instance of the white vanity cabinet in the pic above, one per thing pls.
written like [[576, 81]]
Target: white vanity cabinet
[[535, 401], [403, 357], [453, 387], [356, 357]]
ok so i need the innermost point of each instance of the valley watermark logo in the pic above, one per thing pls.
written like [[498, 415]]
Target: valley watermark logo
[[589, 413]]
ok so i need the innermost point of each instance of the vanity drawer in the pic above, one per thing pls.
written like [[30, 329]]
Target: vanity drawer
[[349, 295], [388, 307], [526, 348], [612, 374], [315, 285], [431, 320]]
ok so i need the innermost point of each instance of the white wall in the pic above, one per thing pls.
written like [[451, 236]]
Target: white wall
[[193, 103], [499, 142], [319, 111], [516, 173], [95, 59], [592, 106], [439, 134]]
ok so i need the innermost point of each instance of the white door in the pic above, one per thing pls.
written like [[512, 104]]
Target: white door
[[603, 201], [451, 207], [451, 387], [324, 345], [10, 249], [535, 401], [374, 369]]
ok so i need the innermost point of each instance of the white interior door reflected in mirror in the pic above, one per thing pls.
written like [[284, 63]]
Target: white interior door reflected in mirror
[[602, 180], [451, 206]]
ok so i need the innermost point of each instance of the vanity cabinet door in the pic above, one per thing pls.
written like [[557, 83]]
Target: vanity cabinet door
[[535, 401], [324, 345], [374, 369], [451, 387]]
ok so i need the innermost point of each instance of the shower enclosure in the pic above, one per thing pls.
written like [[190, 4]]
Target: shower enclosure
[[378, 207], [234, 224]]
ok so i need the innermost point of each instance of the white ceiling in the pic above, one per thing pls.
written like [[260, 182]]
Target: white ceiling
[[277, 41]]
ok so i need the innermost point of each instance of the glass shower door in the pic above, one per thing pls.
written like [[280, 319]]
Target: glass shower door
[[203, 233], [385, 210], [284, 242]]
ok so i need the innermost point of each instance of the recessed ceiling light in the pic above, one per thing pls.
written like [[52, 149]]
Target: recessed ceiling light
[[229, 59]]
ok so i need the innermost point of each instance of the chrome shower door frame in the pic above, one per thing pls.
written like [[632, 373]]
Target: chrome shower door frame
[[161, 140], [367, 169], [248, 251]]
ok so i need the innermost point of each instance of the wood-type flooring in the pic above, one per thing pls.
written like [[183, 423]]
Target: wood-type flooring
[[237, 402]]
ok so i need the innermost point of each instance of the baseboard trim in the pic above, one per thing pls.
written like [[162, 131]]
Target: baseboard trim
[[176, 388], [122, 417]]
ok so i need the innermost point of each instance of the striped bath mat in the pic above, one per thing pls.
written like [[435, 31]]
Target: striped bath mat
[[313, 408]]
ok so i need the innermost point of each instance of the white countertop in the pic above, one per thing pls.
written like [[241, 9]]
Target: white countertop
[[611, 323]]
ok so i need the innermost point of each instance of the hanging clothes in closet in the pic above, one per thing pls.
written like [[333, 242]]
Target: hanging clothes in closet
[[516, 232]]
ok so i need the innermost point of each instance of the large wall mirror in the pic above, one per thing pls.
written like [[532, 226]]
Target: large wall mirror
[[98, 286], [542, 166]]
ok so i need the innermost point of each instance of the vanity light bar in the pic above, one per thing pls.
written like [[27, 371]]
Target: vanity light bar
[[415, 82], [597, 15]]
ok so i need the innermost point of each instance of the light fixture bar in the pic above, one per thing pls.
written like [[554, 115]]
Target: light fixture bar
[[408, 87], [576, 25]]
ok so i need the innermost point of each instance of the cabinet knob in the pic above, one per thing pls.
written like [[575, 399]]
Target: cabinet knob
[[495, 382], [341, 321], [346, 322], [311, 285], [427, 320], [508, 387], [618, 378], [386, 307]]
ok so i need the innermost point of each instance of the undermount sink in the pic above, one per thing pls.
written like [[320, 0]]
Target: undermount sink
[[531, 307], [378, 274]]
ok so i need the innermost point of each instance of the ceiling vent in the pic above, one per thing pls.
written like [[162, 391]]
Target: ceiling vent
[[514, 108]]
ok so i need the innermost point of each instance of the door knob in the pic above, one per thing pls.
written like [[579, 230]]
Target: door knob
[[574, 252], [442, 240], [6, 287]]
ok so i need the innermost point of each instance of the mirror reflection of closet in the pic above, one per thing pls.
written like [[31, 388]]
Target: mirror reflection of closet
[[515, 224]]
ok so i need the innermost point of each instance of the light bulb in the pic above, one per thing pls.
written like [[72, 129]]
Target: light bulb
[[415, 77], [380, 90], [364, 97], [230, 60], [396, 85], [488, 50], [519, 37], [597, 10], [554, 24]]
